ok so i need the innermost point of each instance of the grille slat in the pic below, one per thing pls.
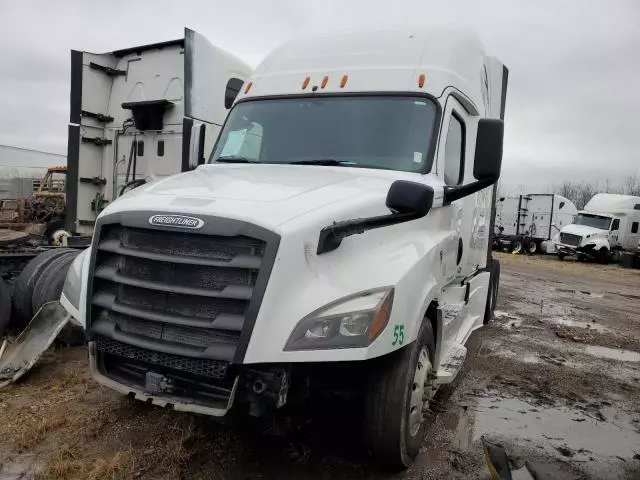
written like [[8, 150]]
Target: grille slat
[[219, 321], [111, 274], [174, 333], [184, 244], [239, 261], [214, 350]]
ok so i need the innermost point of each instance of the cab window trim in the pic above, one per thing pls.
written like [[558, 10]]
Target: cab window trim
[[463, 145]]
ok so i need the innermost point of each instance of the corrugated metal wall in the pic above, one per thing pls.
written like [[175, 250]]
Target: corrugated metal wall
[[20, 167], [17, 187]]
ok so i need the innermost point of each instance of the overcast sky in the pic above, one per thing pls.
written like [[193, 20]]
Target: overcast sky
[[574, 65]]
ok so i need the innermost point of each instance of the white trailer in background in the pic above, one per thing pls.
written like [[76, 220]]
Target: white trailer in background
[[528, 222], [608, 226], [138, 114]]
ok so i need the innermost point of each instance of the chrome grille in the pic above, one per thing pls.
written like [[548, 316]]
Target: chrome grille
[[182, 296], [570, 239]]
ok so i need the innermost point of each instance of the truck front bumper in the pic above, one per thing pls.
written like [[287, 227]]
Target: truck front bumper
[[166, 400], [586, 250], [258, 386], [565, 249]]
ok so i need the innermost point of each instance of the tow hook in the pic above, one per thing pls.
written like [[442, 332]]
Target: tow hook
[[156, 383], [266, 387]]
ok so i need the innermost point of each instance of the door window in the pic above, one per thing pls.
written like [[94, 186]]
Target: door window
[[231, 92], [634, 227], [454, 152], [615, 225]]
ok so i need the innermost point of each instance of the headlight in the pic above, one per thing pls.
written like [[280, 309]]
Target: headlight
[[73, 281], [354, 321]]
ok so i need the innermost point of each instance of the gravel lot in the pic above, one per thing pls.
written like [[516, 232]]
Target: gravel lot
[[556, 377]]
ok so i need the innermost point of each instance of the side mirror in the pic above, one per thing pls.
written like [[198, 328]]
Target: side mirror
[[487, 160], [406, 200], [196, 145], [410, 197]]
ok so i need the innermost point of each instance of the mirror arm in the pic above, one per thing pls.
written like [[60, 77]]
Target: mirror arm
[[451, 194], [331, 236]]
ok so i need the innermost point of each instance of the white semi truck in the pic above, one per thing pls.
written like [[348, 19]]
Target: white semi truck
[[138, 114], [607, 226], [338, 237], [529, 221]]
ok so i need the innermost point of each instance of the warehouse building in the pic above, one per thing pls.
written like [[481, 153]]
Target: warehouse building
[[21, 169]]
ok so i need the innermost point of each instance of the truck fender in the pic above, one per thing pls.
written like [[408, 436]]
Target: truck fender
[[599, 243], [430, 297]]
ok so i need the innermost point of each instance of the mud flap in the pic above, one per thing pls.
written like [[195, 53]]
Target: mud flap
[[18, 357]]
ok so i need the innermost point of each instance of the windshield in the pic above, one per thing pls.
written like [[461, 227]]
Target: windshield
[[389, 132], [595, 221]]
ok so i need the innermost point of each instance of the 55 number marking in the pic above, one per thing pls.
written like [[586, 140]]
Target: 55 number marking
[[398, 335]]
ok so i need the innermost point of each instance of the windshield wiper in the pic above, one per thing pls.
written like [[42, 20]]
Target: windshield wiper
[[330, 162], [235, 159]]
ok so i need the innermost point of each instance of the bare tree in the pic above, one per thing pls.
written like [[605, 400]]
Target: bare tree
[[581, 192], [631, 185], [578, 192]]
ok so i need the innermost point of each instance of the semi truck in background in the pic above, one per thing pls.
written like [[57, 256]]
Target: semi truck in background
[[529, 222], [337, 240], [136, 115], [607, 227], [143, 113]]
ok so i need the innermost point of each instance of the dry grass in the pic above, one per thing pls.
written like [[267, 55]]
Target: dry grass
[[119, 466], [172, 450], [69, 380], [64, 464], [33, 433], [67, 464]]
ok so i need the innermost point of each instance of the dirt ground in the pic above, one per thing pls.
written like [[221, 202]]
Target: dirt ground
[[554, 378]]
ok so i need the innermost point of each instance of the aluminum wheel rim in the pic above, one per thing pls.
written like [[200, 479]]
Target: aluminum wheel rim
[[417, 400]]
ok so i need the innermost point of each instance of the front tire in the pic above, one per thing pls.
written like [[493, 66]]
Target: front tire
[[603, 255], [399, 389]]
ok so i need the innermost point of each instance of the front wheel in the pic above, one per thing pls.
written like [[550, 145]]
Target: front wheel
[[398, 393], [603, 255]]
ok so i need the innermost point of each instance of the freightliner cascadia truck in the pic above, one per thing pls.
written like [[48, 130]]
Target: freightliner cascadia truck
[[338, 238]]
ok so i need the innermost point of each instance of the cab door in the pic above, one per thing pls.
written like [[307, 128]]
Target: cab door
[[455, 167], [614, 233], [633, 237]]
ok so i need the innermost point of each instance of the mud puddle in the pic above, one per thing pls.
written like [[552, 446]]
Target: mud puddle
[[570, 322], [612, 353], [584, 293], [601, 441], [19, 466]]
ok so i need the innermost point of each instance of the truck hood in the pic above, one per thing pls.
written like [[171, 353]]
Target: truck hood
[[582, 230], [265, 195]]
